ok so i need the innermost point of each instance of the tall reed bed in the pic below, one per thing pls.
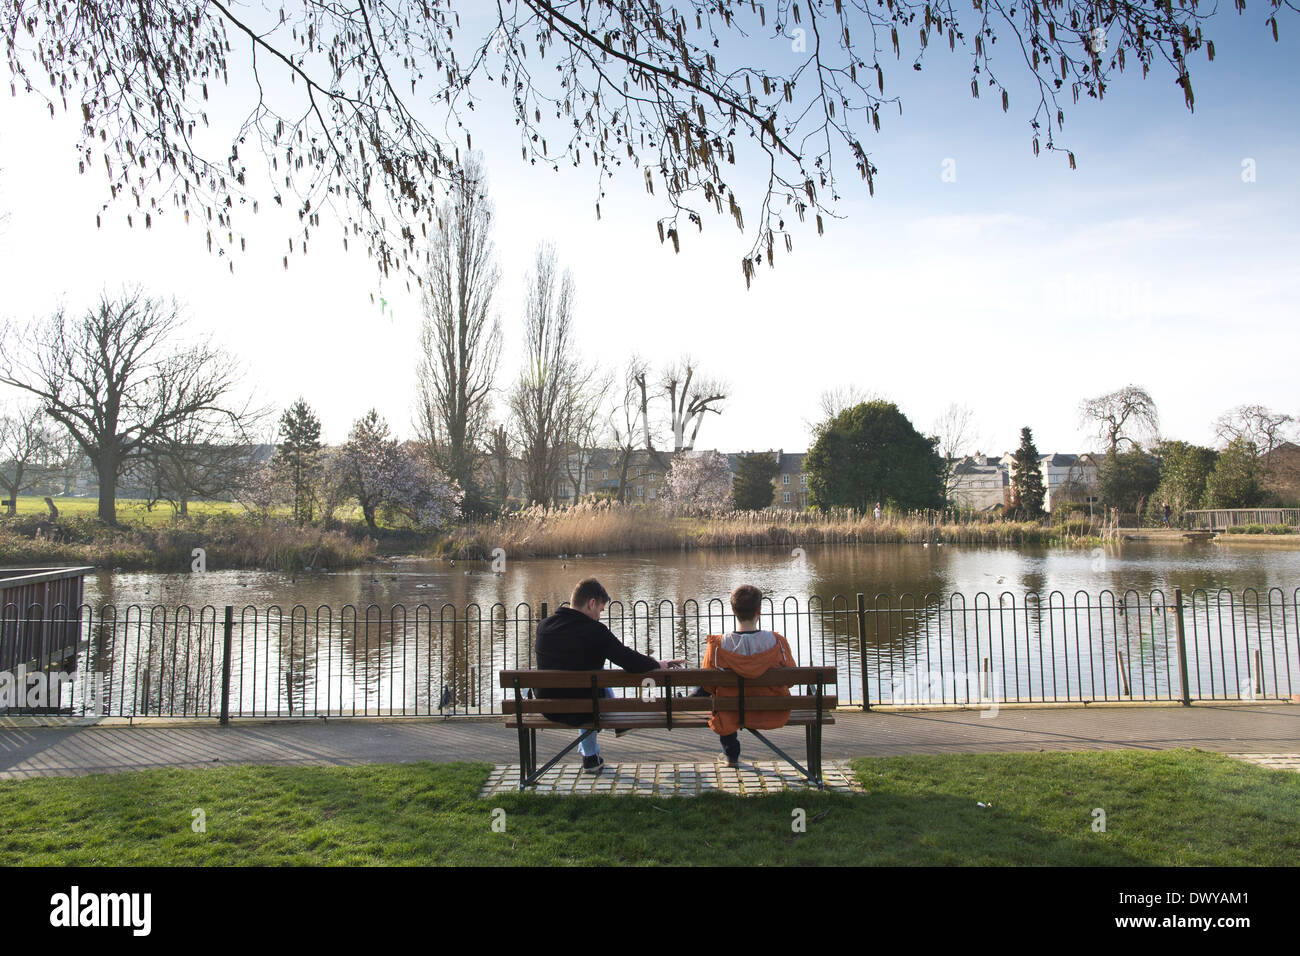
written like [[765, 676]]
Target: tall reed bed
[[596, 527]]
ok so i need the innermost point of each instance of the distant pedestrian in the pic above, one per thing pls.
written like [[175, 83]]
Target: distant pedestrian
[[877, 511], [1167, 524]]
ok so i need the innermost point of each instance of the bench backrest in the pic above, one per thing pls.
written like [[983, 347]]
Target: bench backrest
[[812, 678]]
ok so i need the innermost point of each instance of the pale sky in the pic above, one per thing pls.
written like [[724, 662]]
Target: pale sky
[[1020, 287]]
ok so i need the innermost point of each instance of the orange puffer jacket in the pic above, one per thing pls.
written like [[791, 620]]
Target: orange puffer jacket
[[748, 665]]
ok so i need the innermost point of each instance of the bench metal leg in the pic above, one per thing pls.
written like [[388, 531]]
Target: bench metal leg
[[536, 775], [532, 750], [523, 747], [814, 779]]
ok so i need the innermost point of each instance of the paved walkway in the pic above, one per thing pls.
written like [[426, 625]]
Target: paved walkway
[[1272, 729]]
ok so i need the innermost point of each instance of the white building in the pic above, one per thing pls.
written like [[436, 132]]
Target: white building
[[980, 482]]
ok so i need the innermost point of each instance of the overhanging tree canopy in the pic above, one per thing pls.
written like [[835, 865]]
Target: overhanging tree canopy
[[380, 96]]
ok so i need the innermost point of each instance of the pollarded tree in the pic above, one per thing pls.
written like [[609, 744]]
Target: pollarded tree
[[752, 489], [701, 482], [691, 396], [684, 96], [1027, 492], [872, 452]]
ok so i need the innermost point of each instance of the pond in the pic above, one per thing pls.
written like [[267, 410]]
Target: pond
[[940, 625]]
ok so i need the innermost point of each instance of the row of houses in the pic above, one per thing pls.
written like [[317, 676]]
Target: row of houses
[[980, 482]]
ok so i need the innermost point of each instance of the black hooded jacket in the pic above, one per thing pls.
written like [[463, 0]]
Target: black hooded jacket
[[568, 640]]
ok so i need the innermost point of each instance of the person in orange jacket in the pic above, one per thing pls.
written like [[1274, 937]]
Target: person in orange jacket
[[749, 652]]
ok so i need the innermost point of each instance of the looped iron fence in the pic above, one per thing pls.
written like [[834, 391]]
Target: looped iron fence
[[426, 660]]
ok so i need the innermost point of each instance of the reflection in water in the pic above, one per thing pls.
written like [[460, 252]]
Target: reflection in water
[[937, 625]]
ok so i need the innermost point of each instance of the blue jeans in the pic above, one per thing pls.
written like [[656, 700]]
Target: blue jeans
[[590, 746], [730, 742]]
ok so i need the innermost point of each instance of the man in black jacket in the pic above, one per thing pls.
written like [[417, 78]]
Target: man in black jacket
[[574, 639]]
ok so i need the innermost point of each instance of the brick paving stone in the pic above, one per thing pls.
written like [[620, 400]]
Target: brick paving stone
[[672, 779], [1290, 761]]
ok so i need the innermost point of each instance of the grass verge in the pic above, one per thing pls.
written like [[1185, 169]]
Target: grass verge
[[1180, 807]]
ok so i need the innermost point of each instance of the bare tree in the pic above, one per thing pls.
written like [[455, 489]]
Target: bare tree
[[26, 452], [690, 397], [1117, 416], [580, 426], [549, 379], [1265, 428], [955, 429], [502, 458], [629, 421], [107, 379], [197, 459], [834, 401], [460, 339], [682, 96]]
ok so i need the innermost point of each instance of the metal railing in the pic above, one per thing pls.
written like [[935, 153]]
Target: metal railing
[[423, 661]]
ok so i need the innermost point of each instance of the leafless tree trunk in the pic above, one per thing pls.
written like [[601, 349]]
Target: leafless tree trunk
[[630, 420], [106, 379], [689, 398], [549, 379], [1266, 428], [460, 339], [955, 430], [26, 452], [499, 452], [1116, 414]]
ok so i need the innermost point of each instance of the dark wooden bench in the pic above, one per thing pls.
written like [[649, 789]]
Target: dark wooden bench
[[662, 709]]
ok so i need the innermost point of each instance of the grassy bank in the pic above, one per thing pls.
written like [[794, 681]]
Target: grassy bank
[[229, 540], [918, 810], [590, 528]]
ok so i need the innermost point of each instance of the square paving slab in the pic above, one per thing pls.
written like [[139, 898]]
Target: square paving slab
[[1272, 761], [673, 779]]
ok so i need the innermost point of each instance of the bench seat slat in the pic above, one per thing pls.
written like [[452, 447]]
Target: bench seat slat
[[680, 704], [798, 718], [776, 676]]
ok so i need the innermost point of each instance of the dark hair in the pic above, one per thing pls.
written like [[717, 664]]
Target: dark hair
[[587, 589], [746, 602]]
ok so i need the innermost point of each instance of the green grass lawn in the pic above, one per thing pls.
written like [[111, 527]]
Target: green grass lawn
[[132, 510], [1180, 807], [128, 509]]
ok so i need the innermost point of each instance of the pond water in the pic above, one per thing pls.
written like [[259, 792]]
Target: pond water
[[940, 625], [894, 569]]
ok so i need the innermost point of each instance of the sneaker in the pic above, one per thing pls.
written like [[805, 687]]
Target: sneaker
[[593, 764], [730, 762], [623, 730]]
